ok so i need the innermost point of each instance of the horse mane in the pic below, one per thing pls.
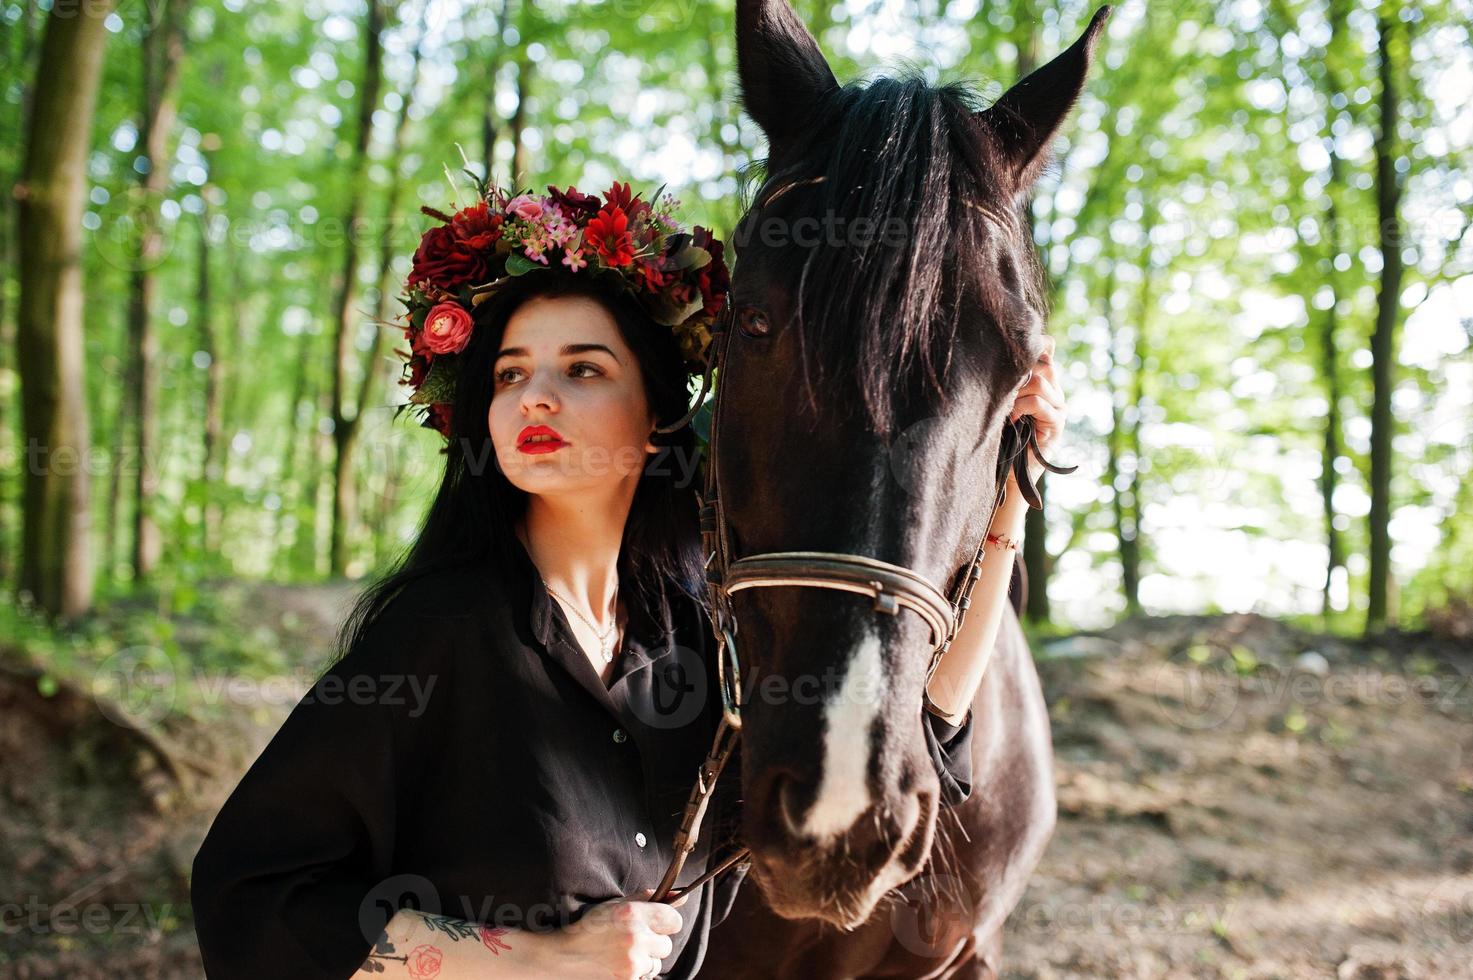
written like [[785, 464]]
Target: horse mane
[[900, 147]]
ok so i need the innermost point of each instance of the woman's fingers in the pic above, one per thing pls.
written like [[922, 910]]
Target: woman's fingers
[[659, 946], [1043, 412], [661, 918], [1038, 392], [1042, 385]]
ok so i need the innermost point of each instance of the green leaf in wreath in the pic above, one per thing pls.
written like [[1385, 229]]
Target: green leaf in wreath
[[518, 264], [439, 383]]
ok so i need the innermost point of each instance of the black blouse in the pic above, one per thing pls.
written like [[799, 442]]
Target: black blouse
[[465, 758]]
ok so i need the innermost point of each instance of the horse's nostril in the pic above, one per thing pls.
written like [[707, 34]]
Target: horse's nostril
[[789, 812]]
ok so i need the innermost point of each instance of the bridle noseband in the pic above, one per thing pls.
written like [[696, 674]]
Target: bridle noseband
[[891, 587]]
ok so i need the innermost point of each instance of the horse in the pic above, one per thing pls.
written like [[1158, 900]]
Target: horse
[[885, 263]]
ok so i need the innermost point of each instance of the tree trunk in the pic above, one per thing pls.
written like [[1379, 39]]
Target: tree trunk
[[1383, 338], [373, 370], [22, 67], [345, 426], [214, 386], [1337, 15], [520, 158], [292, 489], [1330, 370], [489, 114], [1025, 39], [1117, 465], [56, 565], [1130, 540], [163, 49], [113, 509]]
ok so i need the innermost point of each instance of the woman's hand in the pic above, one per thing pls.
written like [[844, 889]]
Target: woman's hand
[[622, 939], [1041, 398]]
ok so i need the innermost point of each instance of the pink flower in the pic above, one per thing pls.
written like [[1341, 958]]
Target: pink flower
[[574, 260], [525, 207], [447, 328]]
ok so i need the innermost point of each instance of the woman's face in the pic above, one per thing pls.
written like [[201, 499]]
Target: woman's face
[[564, 365]]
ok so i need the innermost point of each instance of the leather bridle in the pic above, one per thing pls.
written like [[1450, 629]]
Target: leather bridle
[[890, 587]]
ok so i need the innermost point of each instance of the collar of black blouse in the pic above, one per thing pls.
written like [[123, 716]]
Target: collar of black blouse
[[642, 632]]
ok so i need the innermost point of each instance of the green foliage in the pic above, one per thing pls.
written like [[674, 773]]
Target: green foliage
[[1186, 227]]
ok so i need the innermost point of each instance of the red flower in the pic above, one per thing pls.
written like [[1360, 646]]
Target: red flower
[[424, 962], [714, 279], [476, 226], [654, 279], [573, 201], [492, 939], [621, 197], [682, 293], [447, 329], [609, 235], [445, 261], [418, 368], [439, 418]]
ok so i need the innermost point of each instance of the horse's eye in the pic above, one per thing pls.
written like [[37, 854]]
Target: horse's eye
[[753, 322]]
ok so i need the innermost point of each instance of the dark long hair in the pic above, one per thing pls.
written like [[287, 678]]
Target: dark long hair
[[469, 524]]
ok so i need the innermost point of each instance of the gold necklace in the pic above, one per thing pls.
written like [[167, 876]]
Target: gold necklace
[[605, 649]]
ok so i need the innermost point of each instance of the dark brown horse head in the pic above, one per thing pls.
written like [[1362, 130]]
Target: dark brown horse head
[[887, 303]]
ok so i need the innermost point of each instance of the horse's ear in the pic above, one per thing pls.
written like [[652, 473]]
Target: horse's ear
[[783, 73], [1028, 115]]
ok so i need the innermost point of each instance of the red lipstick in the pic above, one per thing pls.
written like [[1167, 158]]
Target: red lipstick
[[552, 442]]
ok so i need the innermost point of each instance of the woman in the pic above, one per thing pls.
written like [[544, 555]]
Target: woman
[[488, 781]]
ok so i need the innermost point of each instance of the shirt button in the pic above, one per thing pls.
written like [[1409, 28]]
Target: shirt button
[[639, 839], [620, 736]]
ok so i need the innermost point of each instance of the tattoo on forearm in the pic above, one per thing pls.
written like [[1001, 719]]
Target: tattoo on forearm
[[423, 961], [456, 929], [383, 952]]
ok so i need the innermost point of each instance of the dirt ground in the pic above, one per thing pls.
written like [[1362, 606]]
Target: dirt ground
[[1237, 799]]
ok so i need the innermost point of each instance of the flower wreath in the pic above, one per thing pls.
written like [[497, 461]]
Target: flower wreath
[[678, 277]]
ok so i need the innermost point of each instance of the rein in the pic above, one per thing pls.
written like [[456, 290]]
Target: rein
[[890, 587]]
